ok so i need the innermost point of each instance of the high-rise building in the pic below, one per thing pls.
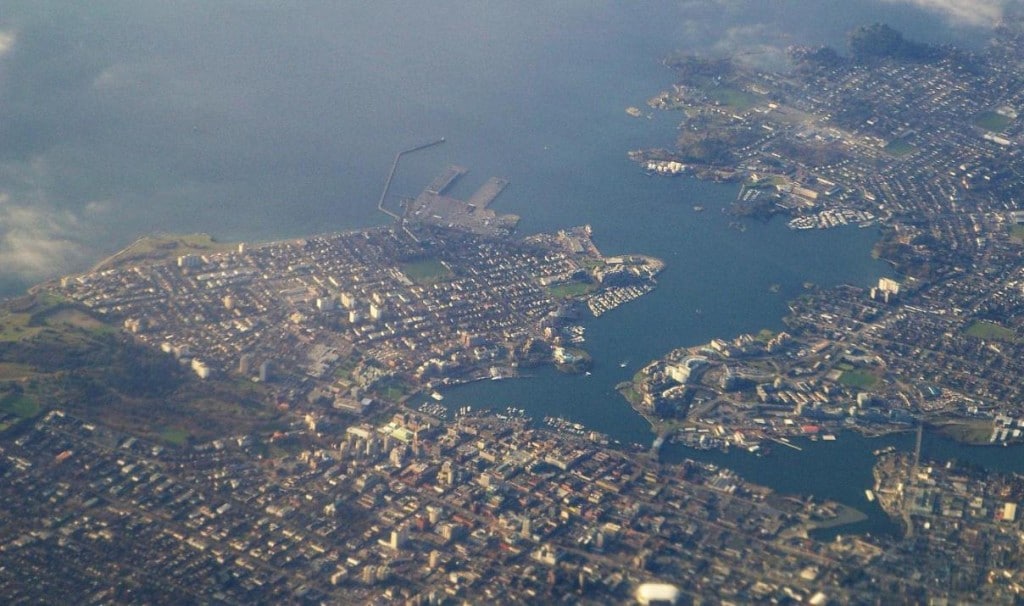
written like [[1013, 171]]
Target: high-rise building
[[399, 537], [245, 364]]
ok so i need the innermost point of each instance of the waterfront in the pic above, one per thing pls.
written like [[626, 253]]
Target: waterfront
[[839, 470]]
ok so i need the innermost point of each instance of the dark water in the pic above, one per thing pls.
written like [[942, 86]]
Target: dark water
[[692, 304]]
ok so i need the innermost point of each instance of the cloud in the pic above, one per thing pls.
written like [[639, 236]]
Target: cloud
[[964, 12], [7, 39], [37, 243], [758, 45], [97, 207]]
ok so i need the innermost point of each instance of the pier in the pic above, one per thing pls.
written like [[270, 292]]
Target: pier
[[435, 207], [488, 192], [784, 443], [442, 182]]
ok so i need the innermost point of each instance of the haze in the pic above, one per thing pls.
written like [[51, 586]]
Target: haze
[[268, 120]]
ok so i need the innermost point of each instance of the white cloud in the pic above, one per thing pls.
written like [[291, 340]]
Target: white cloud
[[7, 39], [36, 243], [98, 207], [964, 12]]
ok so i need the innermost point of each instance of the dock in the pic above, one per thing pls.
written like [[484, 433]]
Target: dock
[[488, 192], [434, 207], [442, 182], [784, 443]]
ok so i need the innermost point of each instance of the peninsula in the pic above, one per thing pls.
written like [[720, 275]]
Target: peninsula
[[449, 296]]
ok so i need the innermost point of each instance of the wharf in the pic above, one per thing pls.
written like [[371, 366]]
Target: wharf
[[434, 207], [443, 181], [487, 192]]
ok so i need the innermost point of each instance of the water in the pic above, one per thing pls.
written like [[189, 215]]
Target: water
[[691, 305], [263, 121]]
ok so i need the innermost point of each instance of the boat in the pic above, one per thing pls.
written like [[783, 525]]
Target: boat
[[623, 363], [870, 495], [436, 396]]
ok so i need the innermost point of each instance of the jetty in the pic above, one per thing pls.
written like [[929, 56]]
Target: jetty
[[391, 177]]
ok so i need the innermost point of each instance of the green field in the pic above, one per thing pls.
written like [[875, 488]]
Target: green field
[[15, 326], [20, 405], [393, 389], [175, 436], [151, 249], [426, 271], [735, 98], [1017, 233], [899, 147], [991, 331], [46, 313], [992, 121], [968, 432], [858, 379], [13, 371], [569, 290]]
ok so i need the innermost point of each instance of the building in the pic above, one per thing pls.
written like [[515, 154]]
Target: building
[[656, 593], [245, 364], [399, 537], [200, 368]]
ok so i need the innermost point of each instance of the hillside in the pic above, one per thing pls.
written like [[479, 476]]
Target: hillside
[[55, 354]]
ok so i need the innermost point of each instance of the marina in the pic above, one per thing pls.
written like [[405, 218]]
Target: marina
[[828, 219], [614, 297]]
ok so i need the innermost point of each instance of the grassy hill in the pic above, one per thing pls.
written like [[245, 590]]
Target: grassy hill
[[56, 354]]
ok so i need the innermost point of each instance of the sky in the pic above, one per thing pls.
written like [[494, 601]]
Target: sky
[[265, 119]]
